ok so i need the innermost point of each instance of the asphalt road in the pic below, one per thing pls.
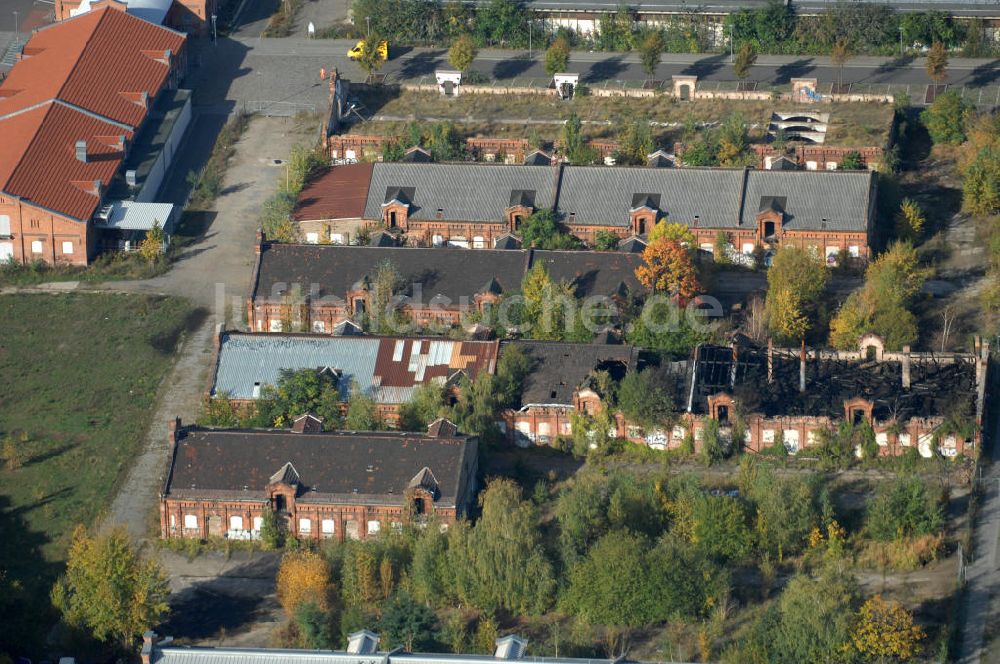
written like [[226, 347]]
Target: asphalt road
[[246, 68]]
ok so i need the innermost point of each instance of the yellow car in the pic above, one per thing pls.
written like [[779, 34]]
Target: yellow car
[[359, 50]]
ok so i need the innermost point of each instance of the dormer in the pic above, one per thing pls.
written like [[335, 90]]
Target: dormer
[[520, 207], [283, 487], [721, 407], [396, 208], [770, 218], [644, 212], [489, 294], [858, 410]]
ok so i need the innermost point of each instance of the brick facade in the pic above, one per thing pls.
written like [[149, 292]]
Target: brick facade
[[37, 234]]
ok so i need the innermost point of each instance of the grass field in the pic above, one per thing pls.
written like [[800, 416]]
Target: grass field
[[851, 124], [79, 374]]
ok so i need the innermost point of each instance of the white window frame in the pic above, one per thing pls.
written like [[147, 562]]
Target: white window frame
[[337, 238], [305, 525], [257, 522], [328, 527], [37, 246], [312, 238], [478, 242], [274, 325], [319, 326], [191, 522], [236, 523], [5, 224], [67, 248], [374, 526]]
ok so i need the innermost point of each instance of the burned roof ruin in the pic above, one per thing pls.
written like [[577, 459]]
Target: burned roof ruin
[[770, 381]]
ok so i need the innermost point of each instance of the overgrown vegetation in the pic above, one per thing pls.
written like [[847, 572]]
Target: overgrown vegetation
[[88, 368], [206, 185], [276, 213]]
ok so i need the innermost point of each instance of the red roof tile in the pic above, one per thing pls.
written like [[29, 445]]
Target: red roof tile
[[46, 171], [340, 193], [81, 79], [100, 61]]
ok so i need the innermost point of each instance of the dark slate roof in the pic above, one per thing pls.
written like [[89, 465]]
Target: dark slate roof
[[417, 155], [507, 241], [383, 239], [783, 163], [934, 388], [633, 244], [602, 195], [592, 272], [332, 270], [813, 200], [368, 467], [559, 368], [463, 192], [537, 158]]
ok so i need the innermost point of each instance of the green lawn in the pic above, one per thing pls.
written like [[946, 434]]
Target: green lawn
[[78, 377]]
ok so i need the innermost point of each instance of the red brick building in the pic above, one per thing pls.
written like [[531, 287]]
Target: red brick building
[[319, 485], [476, 205], [297, 287], [192, 16], [69, 112]]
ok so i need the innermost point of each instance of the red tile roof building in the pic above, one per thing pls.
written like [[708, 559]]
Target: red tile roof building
[[193, 16], [68, 112]]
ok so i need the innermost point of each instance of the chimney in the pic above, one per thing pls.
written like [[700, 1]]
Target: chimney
[[770, 360], [174, 432], [121, 142], [906, 367], [81, 151], [148, 641], [144, 99], [802, 367]]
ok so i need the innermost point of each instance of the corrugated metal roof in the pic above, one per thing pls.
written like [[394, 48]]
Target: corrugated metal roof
[[462, 192], [195, 655], [387, 369], [814, 200], [136, 216], [602, 195]]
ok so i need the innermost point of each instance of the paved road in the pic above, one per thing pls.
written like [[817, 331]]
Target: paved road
[[982, 598], [286, 71], [982, 8]]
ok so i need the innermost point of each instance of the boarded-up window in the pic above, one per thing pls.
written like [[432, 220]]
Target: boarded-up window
[[4, 224], [328, 526], [305, 526], [236, 523], [190, 521]]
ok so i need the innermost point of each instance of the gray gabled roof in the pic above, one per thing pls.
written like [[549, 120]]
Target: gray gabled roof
[[600, 195], [812, 200], [463, 192]]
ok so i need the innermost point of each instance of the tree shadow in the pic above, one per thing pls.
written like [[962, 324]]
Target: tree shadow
[[606, 69], [706, 66], [49, 454], [232, 601], [166, 342], [511, 68], [891, 66], [423, 64], [983, 75], [786, 72]]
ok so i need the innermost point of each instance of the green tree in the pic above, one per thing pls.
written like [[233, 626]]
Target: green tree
[[557, 56], [271, 535], [817, 615], [109, 589], [300, 391], [635, 142], [542, 230], [644, 398], [276, 218], [549, 306], [316, 627], [886, 629], [408, 623], [665, 327], [981, 184], [616, 29], [795, 282], [573, 144], [906, 508], [362, 412], [501, 563], [733, 143], [720, 527], [852, 162], [946, 118], [462, 52], [503, 23], [937, 62], [892, 282], [839, 55], [650, 51], [512, 368], [909, 220], [745, 58], [674, 231], [475, 411], [429, 573], [428, 402], [606, 240], [722, 248]]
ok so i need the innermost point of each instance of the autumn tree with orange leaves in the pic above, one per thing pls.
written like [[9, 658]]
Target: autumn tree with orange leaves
[[303, 576], [886, 629], [668, 268]]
